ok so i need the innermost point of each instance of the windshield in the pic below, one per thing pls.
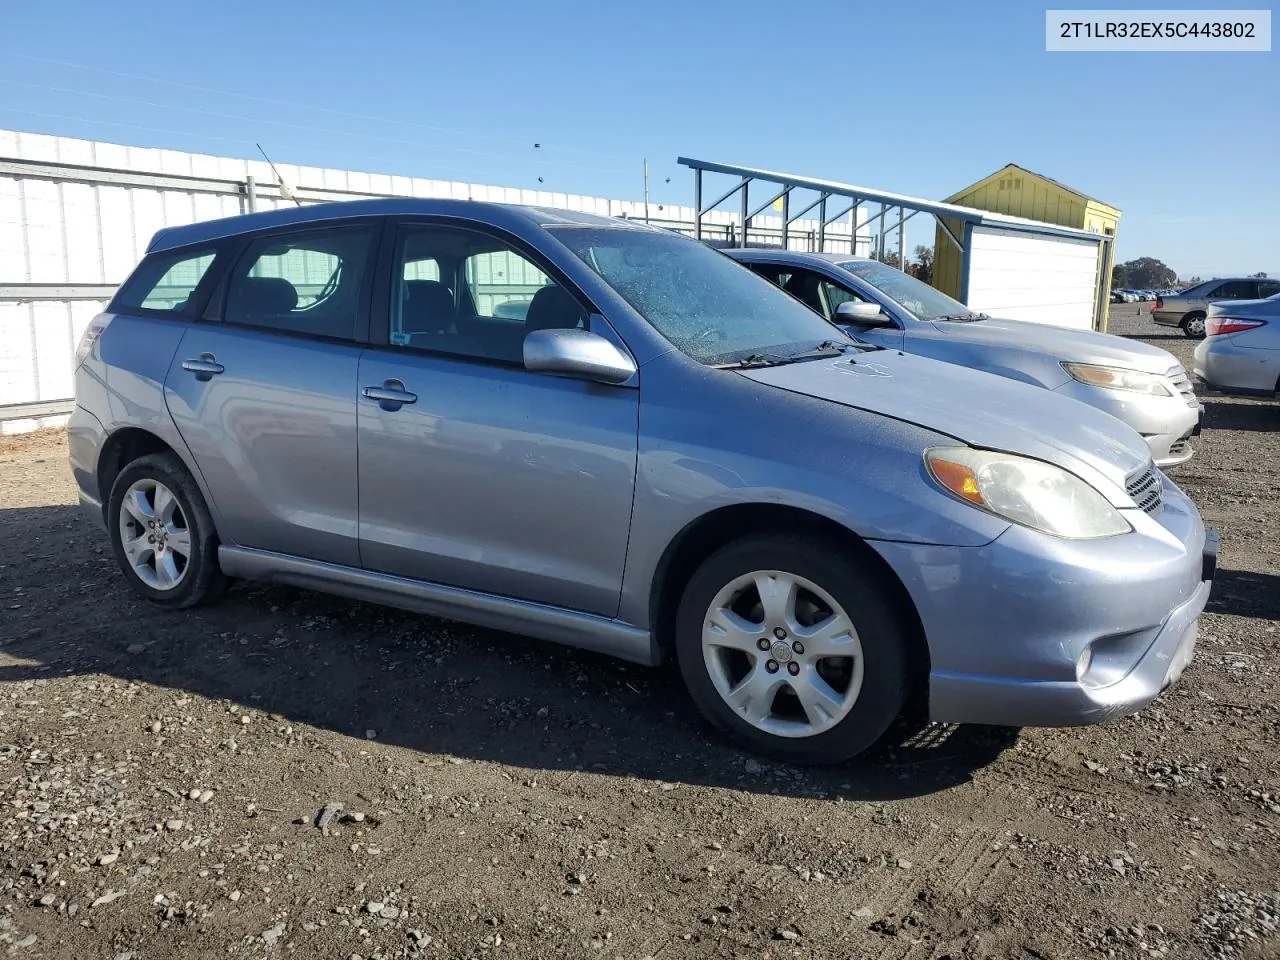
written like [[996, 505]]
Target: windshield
[[916, 296], [705, 304]]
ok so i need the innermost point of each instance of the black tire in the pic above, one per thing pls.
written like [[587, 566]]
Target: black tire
[[1189, 325], [201, 579], [856, 586]]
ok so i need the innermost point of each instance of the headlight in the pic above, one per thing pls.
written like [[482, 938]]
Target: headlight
[[1118, 378], [1030, 492]]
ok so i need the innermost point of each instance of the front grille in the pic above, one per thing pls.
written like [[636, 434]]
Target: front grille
[[1145, 488], [1183, 383]]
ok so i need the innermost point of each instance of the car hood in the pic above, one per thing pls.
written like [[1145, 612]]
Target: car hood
[[1060, 343], [979, 409]]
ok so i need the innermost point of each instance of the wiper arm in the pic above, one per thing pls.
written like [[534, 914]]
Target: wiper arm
[[963, 317], [755, 360], [826, 348]]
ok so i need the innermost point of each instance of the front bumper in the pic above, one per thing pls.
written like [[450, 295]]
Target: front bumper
[[1228, 365], [1034, 631], [1167, 424]]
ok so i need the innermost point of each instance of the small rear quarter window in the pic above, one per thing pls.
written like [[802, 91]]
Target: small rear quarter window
[[165, 282]]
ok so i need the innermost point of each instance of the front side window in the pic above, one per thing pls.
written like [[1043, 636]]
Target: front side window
[[836, 295], [311, 282], [472, 295], [165, 282], [709, 307], [502, 284], [915, 296]]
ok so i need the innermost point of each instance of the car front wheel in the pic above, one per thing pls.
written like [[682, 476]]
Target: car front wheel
[[162, 533], [789, 645]]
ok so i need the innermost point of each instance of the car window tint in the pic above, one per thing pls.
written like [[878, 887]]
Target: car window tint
[[472, 295], [502, 283], [165, 282], [309, 282], [836, 295], [1236, 290], [1268, 288]]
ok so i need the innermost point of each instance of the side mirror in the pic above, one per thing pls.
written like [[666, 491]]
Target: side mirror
[[862, 314], [577, 353]]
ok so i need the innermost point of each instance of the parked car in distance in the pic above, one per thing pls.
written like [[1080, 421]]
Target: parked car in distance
[[1189, 308], [1119, 296], [1140, 384], [1241, 351], [665, 454]]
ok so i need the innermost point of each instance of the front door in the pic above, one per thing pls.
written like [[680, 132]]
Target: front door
[[265, 397], [473, 471]]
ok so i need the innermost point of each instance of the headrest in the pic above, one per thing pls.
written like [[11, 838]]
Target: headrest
[[428, 307], [552, 308], [262, 296]]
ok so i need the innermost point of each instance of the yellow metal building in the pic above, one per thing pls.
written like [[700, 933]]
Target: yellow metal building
[[1019, 192]]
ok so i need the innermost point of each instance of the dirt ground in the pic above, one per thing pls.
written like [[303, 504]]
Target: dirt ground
[[161, 776]]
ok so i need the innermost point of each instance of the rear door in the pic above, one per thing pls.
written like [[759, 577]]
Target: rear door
[[263, 390], [1235, 290], [475, 472]]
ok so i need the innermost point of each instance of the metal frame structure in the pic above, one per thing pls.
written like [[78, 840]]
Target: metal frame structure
[[784, 184]]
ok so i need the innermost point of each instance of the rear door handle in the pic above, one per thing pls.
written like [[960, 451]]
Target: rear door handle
[[204, 368], [391, 395]]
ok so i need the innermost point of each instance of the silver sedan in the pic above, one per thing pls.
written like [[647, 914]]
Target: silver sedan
[[1142, 385], [1241, 353], [1188, 309]]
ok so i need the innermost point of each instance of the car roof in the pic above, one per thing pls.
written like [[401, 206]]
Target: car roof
[[511, 216], [789, 256]]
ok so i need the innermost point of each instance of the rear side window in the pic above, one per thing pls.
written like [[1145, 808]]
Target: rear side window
[[1268, 288], [1236, 290], [311, 282], [165, 283]]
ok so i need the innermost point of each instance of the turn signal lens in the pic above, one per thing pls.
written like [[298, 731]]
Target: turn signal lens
[[959, 479], [1220, 326]]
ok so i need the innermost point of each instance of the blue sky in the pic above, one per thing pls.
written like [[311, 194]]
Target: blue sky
[[916, 97]]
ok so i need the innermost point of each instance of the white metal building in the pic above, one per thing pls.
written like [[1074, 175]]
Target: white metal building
[[77, 215]]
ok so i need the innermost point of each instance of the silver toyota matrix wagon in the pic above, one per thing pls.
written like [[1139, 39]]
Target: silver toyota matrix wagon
[[608, 435]]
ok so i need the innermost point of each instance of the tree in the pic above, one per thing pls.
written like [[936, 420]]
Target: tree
[[890, 257], [922, 269], [1119, 277], [1145, 273], [1260, 275]]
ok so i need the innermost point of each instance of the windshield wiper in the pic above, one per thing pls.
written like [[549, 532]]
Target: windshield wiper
[[963, 317], [755, 360], [827, 348]]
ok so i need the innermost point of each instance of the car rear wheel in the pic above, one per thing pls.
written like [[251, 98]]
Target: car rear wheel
[[1193, 325], [162, 533], [788, 644]]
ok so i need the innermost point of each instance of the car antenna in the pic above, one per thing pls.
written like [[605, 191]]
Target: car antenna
[[286, 191]]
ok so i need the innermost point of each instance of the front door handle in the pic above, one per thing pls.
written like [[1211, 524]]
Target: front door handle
[[204, 368], [391, 395]]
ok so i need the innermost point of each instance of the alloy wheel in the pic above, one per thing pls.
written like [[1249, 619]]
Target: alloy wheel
[[782, 653], [155, 534]]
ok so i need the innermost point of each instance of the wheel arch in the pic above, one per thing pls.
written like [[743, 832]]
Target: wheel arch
[[120, 449], [713, 530]]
